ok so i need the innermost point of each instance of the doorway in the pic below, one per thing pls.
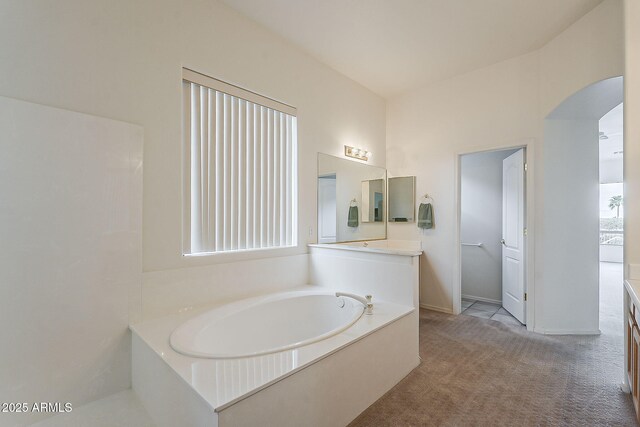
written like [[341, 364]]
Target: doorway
[[492, 235], [611, 214], [569, 256], [327, 221]]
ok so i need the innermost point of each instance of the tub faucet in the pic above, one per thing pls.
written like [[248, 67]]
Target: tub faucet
[[366, 301]]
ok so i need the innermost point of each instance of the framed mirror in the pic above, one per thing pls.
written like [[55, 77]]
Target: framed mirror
[[402, 195], [351, 200]]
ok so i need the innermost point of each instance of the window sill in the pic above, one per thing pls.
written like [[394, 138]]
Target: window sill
[[209, 258], [240, 251]]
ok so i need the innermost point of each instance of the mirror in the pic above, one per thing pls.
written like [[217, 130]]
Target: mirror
[[402, 199], [351, 200]]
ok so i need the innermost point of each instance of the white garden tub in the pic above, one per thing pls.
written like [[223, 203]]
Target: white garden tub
[[230, 370], [264, 326]]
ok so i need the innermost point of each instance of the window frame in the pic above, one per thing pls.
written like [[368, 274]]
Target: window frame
[[191, 76]]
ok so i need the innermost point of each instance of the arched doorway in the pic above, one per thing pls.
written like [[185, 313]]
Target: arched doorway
[[570, 249]]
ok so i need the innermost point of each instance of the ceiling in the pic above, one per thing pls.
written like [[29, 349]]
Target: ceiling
[[392, 46], [611, 125]]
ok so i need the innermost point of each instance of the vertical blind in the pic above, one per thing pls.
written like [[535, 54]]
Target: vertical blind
[[240, 168]]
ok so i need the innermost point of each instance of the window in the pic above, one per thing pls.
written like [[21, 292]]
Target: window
[[611, 213], [240, 168]]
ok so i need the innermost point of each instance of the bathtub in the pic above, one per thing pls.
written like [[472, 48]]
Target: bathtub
[[274, 359], [264, 326]]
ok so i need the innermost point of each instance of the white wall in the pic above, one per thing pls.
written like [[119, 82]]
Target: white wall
[[611, 253], [123, 60], [570, 247], [427, 129], [481, 222], [611, 171], [500, 106], [631, 138], [70, 264], [589, 51]]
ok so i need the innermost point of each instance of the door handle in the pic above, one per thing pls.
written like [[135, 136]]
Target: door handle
[[503, 242]]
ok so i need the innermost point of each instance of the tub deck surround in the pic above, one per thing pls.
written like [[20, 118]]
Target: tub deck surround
[[324, 383], [389, 247], [166, 292], [387, 269], [221, 383]]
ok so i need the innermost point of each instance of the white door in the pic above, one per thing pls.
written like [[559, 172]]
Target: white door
[[327, 213], [513, 256]]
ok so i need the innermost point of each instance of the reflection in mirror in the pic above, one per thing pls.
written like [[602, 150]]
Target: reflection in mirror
[[372, 200], [351, 200], [402, 199]]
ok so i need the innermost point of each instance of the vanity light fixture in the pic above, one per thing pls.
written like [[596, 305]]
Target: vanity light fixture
[[356, 153]]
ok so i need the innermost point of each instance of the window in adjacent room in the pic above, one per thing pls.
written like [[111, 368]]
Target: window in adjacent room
[[240, 169]]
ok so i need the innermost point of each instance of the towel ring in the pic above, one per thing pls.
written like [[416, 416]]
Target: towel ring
[[353, 202], [427, 198]]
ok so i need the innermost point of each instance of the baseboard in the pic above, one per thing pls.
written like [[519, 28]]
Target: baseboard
[[492, 301], [436, 308], [566, 331]]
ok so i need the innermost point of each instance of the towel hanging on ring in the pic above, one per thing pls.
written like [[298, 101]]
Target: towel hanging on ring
[[352, 218], [425, 216]]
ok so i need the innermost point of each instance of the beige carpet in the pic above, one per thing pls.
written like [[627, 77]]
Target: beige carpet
[[479, 372]]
